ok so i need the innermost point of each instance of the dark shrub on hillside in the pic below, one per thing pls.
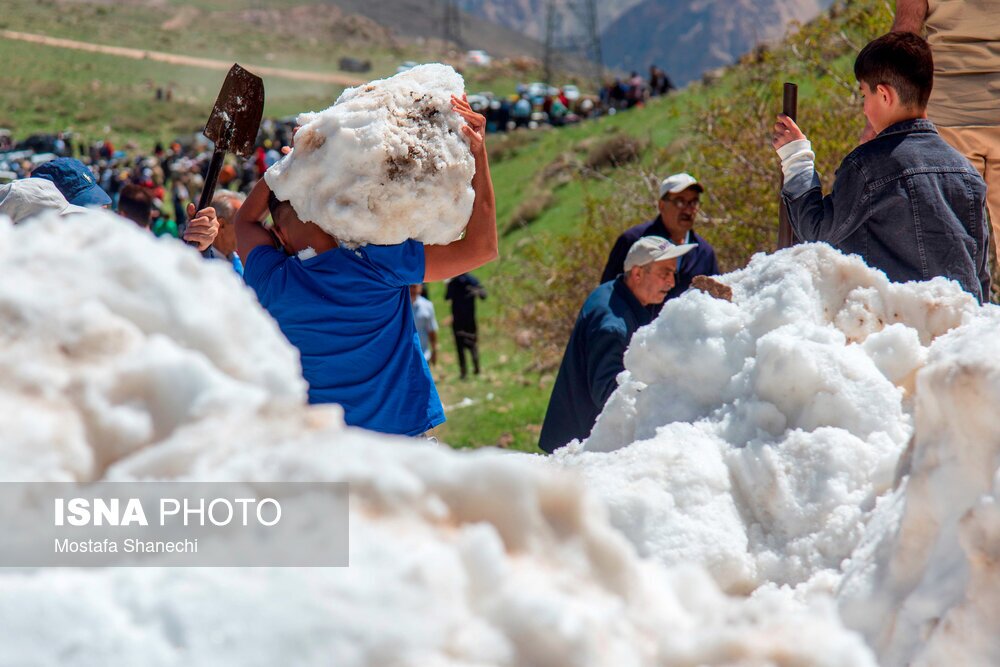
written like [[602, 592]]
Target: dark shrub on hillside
[[616, 150], [528, 211], [507, 145]]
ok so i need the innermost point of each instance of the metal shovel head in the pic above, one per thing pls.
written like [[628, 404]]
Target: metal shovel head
[[236, 115]]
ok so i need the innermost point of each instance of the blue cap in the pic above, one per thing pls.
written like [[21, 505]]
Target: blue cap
[[74, 180]]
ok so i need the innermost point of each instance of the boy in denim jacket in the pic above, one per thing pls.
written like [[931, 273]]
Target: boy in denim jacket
[[904, 200]]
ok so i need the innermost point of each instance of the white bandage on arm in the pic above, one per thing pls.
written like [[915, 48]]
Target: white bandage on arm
[[798, 164]]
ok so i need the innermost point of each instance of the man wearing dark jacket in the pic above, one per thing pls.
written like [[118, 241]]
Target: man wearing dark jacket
[[680, 197], [595, 354], [463, 291]]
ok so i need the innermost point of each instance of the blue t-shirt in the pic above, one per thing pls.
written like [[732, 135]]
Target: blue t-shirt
[[348, 313]]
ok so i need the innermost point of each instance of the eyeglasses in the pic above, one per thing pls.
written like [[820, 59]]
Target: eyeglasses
[[682, 203]]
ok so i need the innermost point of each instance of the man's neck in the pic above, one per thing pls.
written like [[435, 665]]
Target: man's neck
[[222, 251], [677, 236]]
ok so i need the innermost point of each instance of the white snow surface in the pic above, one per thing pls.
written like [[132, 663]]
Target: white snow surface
[[484, 558], [386, 163], [924, 585], [764, 439], [741, 500], [775, 421], [112, 336]]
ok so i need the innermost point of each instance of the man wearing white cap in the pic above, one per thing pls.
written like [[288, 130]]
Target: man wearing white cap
[[680, 197], [595, 354]]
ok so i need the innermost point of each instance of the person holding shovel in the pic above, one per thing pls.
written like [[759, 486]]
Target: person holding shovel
[[348, 311], [905, 201]]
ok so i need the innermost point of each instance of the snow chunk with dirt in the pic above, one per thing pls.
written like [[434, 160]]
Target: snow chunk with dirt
[[386, 163], [138, 354]]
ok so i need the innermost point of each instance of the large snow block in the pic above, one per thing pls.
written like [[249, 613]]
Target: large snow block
[[386, 163]]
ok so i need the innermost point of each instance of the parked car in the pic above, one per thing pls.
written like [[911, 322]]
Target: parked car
[[348, 64], [478, 57], [479, 102]]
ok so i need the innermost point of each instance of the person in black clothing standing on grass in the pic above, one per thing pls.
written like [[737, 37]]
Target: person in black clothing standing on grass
[[462, 292]]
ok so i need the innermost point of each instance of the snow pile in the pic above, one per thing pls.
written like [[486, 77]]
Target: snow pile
[[110, 335], [160, 368], [924, 585], [765, 428], [828, 430], [386, 163], [478, 559]]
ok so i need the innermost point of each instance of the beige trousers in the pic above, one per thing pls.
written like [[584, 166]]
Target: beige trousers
[[982, 146]]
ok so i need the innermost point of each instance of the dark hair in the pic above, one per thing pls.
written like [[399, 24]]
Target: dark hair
[[273, 202], [136, 204], [902, 61]]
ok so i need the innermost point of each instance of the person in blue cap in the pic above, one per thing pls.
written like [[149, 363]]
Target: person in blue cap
[[75, 181], [77, 184]]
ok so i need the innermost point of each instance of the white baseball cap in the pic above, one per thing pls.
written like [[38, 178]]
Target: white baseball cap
[[30, 196], [654, 249], [679, 183]]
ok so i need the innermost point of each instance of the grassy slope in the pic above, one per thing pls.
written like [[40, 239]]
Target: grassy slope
[[46, 89]]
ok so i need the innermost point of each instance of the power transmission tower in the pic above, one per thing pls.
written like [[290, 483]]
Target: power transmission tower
[[571, 30], [452, 23], [551, 36]]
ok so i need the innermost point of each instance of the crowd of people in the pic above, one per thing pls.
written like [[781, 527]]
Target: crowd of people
[[906, 200], [171, 175], [537, 104]]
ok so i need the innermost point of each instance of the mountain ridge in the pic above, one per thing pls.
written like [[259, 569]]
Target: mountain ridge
[[683, 37]]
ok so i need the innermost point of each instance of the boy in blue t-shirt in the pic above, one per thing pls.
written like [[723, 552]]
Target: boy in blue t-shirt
[[348, 311]]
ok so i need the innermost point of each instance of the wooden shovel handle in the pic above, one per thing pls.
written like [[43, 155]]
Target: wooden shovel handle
[[789, 107], [211, 181]]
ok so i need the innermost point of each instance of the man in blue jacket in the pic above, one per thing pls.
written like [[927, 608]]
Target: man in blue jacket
[[595, 354], [680, 198]]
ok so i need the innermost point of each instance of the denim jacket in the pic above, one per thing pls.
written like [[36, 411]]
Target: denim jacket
[[907, 202]]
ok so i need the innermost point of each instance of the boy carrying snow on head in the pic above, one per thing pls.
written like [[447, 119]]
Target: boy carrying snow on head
[[347, 309], [904, 200]]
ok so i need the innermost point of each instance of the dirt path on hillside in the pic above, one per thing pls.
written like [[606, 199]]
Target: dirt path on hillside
[[190, 61]]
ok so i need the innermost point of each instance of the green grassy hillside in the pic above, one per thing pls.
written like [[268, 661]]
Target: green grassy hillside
[[46, 89]]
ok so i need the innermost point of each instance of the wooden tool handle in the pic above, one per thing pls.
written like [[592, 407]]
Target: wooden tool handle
[[790, 103], [789, 107]]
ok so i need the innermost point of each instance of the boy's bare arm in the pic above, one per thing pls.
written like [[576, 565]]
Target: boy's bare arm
[[910, 16], [249, 232], [480, 243]]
